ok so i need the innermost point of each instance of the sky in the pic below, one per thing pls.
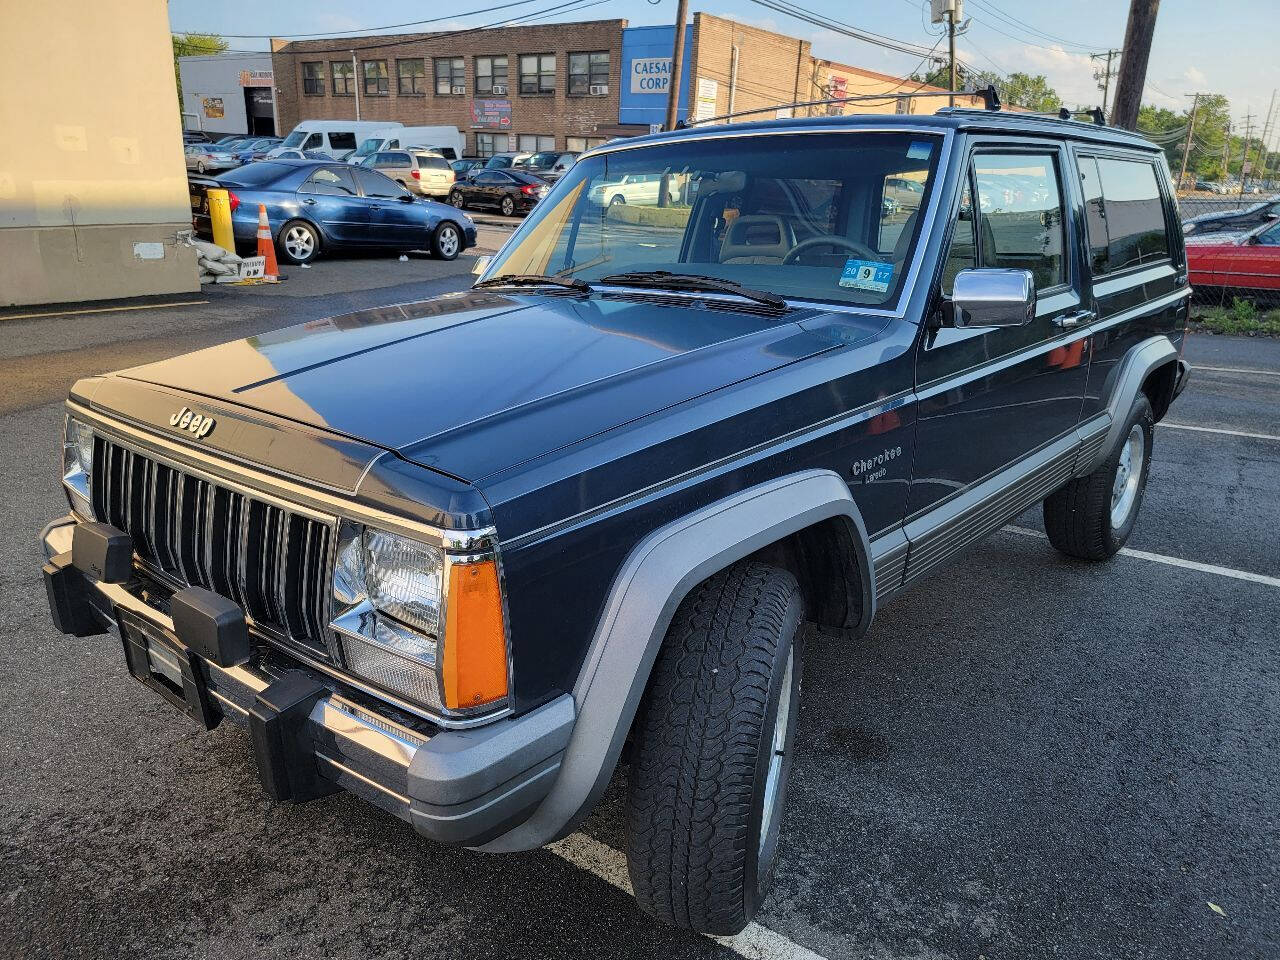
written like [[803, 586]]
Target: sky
[[1225, 47]]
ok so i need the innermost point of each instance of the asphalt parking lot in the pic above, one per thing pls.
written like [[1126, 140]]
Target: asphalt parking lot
[[1026, 757]]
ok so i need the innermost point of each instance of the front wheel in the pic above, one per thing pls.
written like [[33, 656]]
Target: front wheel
[[1091, 517], [446, 242], [199, 166], [507, 206], [298, 242], [712, 751], [617, 200]]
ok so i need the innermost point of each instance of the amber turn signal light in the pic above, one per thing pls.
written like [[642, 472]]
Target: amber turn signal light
[[475, 643]]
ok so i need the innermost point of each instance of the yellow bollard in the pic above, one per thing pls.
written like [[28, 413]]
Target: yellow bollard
[[220, 217]]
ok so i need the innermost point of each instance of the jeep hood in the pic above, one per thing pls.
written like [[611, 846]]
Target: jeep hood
[[476, 382]]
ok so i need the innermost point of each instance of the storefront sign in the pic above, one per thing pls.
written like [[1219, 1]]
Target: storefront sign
[[704, 107], [490, 114], [651, 75], [255, 78], [212, 107]]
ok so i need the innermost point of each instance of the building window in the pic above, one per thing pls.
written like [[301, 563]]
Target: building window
[[451, 76], [534, 143], [313, 79], [537, 73], [487, 144], [412, 77], [579, 144], [491, 76], [587, 71], [375, 78], [344, 78]]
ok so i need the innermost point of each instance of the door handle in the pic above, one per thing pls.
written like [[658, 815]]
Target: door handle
[[1069, 320], [309, 202]]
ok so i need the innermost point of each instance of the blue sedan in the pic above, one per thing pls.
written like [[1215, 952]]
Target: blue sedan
[[314, 206]]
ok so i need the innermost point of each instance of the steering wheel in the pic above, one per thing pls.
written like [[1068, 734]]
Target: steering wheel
[[831, 240]]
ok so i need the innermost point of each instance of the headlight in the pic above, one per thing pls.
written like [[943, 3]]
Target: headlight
[[389, 600], [77, 465]]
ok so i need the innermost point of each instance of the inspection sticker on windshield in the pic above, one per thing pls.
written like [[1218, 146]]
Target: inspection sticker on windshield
[[866, 275]]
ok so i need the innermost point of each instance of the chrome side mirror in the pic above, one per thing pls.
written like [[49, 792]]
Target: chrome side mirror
[[992, 297]]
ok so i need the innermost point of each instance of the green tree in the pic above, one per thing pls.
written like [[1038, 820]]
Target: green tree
[[193, 45], [1017, 89]]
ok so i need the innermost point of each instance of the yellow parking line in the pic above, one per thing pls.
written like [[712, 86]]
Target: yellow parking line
[[72, 313]]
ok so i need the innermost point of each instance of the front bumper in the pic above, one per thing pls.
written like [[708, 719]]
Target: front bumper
[[311, 736]]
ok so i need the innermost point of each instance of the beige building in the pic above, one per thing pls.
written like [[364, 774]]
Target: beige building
[[93, 185]]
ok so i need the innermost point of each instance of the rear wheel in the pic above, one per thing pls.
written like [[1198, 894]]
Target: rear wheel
[[298, 242], [199, 166], [1091, 517], [457, 200], [507, 206], [446, 242], [712, 751]]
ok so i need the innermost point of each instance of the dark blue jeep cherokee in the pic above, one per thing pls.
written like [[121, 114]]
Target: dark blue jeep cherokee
[[455, 555]]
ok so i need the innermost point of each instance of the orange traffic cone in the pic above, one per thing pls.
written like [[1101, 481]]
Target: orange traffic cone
[[266, 246]]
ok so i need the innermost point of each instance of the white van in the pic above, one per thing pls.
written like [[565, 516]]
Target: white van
[[449, 142], [335, 138]]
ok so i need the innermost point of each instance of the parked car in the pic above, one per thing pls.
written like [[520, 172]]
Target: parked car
[[504, 161], [1249, 263], [425, 173], [466, 164], [208, 158], [316, 206], [334, 138], [194, 136], [298, 155], [1234, 221], [508, 191], [256, 149], [551, 165], [455, 555], [449, 142], [640, 188]]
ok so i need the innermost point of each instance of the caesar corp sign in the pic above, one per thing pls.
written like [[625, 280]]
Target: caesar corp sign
[[650, 74]]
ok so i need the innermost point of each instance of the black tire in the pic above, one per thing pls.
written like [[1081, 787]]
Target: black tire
[[285, 239], [703, 749], [617, 200], [446, 242], [507, 206], [456, 199], [1079, 516]]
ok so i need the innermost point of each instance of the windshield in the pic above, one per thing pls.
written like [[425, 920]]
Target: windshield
[[294, 139], [821, 216], [368, 146], [542, 161]]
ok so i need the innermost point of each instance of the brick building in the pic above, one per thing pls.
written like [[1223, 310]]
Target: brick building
[[569, 86], [544, 86]]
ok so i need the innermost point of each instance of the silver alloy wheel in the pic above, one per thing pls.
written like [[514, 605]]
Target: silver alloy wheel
[[508, 206], [1124, 488], [299, 242], [447, 240], [777, 748]]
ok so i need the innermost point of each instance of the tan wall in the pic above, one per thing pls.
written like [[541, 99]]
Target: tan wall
[[773, 69], [91, 158], [558, 114], [866, 83]]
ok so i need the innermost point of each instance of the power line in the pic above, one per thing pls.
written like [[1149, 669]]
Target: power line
[[1035, 31], [838, 26]]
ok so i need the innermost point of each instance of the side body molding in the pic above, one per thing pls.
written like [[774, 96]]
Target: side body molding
[[648, 588], [1123, 385]]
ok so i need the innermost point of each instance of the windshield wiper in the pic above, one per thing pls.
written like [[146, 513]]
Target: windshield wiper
[[533, 280], [693, 283]]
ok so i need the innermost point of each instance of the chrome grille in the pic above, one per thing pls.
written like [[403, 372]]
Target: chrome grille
[[271, 561]]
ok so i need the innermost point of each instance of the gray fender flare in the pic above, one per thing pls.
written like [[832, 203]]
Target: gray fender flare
[[1123, 385], [646, 591]]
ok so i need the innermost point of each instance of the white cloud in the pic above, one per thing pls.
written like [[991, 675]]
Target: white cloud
[[1195, 77], [1071, 74]]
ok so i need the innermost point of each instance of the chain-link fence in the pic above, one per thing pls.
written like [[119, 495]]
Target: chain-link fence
[[1237, 284]]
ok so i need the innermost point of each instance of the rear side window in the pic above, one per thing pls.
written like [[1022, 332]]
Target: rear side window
[[1124, 213], [342, 140], [1020, 215], [330, 182], [433, 163], [396, 159]]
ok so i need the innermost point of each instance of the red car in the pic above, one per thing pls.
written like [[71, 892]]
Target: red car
[[1249, 262]]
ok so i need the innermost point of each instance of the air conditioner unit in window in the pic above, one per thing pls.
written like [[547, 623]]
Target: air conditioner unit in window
[[458, 89], [499, 90], [599, 89]]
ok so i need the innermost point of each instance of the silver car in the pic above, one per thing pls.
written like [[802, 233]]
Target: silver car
[[207, 158]]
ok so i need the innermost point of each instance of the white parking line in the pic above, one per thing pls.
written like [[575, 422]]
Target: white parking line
[[1175, 561], [755, 942], [1256, 373], [1230, 433]]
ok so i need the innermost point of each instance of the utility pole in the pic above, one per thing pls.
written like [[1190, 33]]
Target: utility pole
[[1186, 149], [1104, 75], [1262, 144], [677, 66], [1226, 153], [951, 46], [1244, 166], [355, 83], [1133, 62]]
